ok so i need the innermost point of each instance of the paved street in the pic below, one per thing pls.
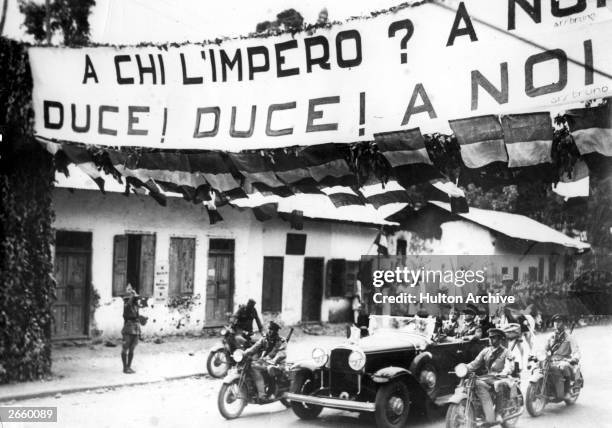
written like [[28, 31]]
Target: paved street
[[192, 402]]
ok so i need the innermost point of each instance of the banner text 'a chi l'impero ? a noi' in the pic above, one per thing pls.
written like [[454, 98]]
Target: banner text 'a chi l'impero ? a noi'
[[417, 67]]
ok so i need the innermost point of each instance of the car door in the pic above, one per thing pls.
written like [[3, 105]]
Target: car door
[[446, 355]]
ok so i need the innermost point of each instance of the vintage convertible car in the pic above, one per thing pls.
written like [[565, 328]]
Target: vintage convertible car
[[398, 368]]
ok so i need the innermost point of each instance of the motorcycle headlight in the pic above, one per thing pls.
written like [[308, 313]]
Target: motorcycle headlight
[[461, 370], [356, 360], [319, 356], [223, 332], [541, 355], [238, 355]]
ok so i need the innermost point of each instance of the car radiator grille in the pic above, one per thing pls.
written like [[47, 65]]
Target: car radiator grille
[[342, 377]]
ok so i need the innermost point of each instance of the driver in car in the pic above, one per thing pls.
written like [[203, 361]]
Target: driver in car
[[272, 350], [496, 360]]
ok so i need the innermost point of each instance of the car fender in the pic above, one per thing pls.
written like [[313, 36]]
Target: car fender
[[308, 365], [419, 360], [389, 373]]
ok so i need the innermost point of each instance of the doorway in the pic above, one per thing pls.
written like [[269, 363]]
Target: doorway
[[72, 274], [312, 289], [220, 281]]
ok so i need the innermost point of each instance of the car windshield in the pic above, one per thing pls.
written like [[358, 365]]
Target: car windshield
[[423, 327]]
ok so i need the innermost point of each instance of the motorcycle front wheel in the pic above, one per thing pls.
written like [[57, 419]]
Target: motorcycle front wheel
[[232, 400], [460, 416], [217, 363], [535, 405]]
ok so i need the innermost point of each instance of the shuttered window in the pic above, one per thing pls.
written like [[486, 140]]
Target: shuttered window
[[182, 264], [133, 263]]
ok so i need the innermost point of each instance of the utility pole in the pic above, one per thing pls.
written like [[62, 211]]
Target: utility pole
[[47, 20]]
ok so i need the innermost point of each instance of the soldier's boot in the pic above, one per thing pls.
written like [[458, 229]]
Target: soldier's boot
[[124, 361], [129, 370]]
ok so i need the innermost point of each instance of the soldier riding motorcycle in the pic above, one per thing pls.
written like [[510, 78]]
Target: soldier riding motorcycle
[[555, 373], [489, 399], [235, 336], [260, 377]]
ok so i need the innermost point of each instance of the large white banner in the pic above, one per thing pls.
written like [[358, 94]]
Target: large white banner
[[419, 66]]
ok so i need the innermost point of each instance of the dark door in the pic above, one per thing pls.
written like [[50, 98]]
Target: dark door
[[272, 285], [69, 310], [312, 289], [220, 281]]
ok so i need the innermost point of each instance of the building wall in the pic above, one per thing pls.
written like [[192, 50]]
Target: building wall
[[115, 214]]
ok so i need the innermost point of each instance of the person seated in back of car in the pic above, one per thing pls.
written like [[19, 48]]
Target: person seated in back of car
[[471, 330], [271, 350]]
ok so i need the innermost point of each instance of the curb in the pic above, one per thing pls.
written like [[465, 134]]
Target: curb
[[64, 391]]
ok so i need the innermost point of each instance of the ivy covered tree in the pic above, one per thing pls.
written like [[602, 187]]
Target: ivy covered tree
[[70, 18]]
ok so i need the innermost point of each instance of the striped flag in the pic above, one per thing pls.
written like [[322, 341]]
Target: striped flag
[[403, 147], [457, 198], [481, 139], [81, 158], [383, 194], [257, 170], [592, 128], [342, 196], [528, 138]]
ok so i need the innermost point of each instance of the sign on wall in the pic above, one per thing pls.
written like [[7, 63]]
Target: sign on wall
[[419, 66], [162, 275]]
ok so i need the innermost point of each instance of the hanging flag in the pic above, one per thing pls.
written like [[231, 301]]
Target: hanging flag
[[481, 139], [297, 219], [403, 147], [406, 153], [312, 167], [83, 159], [592, 128], [257, 171], [528, 138], [456, 195], [211, 209], [383, 194], [381, 244], [342, 196], [266, 211]]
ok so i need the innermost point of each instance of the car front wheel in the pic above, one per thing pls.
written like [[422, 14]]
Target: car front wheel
[[304, 384], [392, 405]]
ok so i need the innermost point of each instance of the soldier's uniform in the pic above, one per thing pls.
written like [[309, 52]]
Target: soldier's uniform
[[130, 332], [244, 317], [470, 330], [496, 361], [564, 350], [272, 350]]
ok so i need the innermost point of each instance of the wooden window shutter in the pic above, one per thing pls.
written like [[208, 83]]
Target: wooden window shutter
[[182, 264], [147, 264], [119, 265]]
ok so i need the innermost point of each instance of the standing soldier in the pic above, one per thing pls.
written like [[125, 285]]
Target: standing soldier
[[131, 327]]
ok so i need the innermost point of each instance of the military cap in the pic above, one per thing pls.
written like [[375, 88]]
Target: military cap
[[559, 317], [496, 332], [273, 326], [469, 311]]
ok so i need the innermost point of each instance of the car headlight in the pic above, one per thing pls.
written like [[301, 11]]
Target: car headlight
[[223, 332], [238, 355], [319, 356], [461, 370], [356, 360]]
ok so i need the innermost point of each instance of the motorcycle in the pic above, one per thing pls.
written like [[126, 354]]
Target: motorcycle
[[239, 387], [220, 359], [466, 409], [542, 389]]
